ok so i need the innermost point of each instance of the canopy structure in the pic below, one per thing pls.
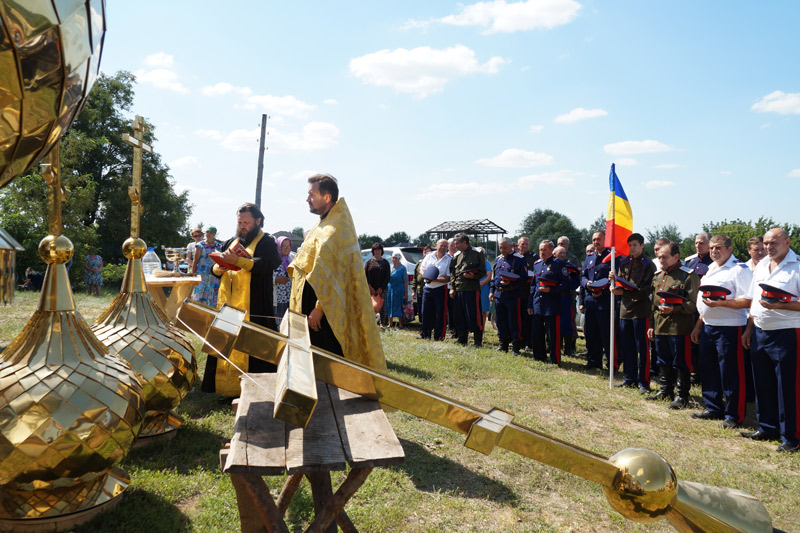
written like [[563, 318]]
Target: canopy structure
[[473, 228], [8, 259]]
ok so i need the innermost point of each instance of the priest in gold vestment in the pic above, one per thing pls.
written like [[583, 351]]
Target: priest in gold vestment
[[328, 282]]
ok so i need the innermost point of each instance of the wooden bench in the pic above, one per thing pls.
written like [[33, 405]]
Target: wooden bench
[[345, 429]]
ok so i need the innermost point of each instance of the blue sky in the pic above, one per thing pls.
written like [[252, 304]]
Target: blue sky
[[434, 111]]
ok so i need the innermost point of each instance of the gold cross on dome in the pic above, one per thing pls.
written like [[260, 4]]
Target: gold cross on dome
[[135, 191]]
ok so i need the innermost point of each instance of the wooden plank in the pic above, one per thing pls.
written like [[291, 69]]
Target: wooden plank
[[318, 447], [258, 445], [366, 434]]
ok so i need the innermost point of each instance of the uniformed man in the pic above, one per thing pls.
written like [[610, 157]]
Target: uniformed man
[[571, 336], [755, 248], [466, 271], [434, 294], [700, 261], [773, 336], [505, 290], [596, 305], [722, 320], [549, 284], [524, 249], [568, 331], [673, 322], [635, 307], [451, 306], [654, 370]]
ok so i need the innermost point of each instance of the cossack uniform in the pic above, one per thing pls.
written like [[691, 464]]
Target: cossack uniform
[[530, 258], [509, 280], [551, 275], [634, 314], [467, 313], [596, 309]]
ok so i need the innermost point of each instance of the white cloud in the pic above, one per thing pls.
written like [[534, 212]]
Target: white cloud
[[794, 173], [536, 128], [516, 158], [159, 59], [439, 191], [499, 16], [580, 113], [625, 162], [163, 79], [278, 105], [726, 172], [330, 101], [656, 184], [420, 71], [779, 102], [314, 136], [668, 165], [187, 161], [636, 147], [210, 134]]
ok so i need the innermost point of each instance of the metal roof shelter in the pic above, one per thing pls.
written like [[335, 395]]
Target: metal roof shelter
[[448, 229]]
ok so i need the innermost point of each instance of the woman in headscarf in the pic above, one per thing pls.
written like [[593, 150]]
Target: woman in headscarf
[[280, 278], [398, 289]]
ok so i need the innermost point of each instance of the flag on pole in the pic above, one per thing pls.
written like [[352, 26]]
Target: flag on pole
[[619, 217]]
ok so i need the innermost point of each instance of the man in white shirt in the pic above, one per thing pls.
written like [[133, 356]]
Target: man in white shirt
[[773, 336], [719, 330], [755, 247], [434, 294]]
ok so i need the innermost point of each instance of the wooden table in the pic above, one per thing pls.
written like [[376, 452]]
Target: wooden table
[[181, 289], [345, 428]]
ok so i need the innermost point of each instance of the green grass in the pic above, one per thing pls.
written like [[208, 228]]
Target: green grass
[[443, 486]]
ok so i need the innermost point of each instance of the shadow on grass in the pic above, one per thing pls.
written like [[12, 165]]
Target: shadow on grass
[[430, 473], [409, 371], [138, 511], [191, 447], [201, 404]]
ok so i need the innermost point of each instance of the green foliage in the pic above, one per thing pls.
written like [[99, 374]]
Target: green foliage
[[422, 239], [298, 231], [113, 274], [548, 224], [740, 231], [397, 237], [366, 241]]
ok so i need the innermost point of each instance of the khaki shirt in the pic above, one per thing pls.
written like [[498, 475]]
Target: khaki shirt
[[678, 280]]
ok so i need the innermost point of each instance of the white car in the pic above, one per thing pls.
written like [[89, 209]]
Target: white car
[[408, 258]]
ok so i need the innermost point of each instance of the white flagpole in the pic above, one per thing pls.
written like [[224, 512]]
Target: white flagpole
[[613, 312]]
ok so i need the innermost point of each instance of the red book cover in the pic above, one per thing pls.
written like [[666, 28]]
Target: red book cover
[[240, 250]]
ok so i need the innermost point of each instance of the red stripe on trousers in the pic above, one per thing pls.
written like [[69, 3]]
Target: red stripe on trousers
[[740, 407], [646, 350], [478, 318], [687, 352], [558, 340], [797, 384]]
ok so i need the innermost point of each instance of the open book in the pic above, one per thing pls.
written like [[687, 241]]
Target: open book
[[240, 250]]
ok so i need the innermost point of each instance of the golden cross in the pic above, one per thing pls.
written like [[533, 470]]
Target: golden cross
[[135, 191]]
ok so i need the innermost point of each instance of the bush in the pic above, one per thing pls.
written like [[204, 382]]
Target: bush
[[113, 274]]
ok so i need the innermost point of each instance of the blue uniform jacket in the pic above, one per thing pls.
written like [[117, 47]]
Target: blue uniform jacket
[[699, 264], [593, 270], [514, 263], [548, 303]]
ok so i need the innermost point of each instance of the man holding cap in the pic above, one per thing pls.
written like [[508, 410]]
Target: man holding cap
[[549, 284], [466, 271], [722, 303], [674, 297], [634, 284], [596, 304], [434, 294], [773, 336], [505, 290]]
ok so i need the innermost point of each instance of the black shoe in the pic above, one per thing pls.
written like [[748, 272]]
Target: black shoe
[[728, 423], [679, 403], [626, 384], [789, 448], [590, 366], [662, 396], [644, 390], [759, 435], [708, 415]]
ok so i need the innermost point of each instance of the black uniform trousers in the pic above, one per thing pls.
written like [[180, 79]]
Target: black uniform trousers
[[774, 354], [467, 312], [675, 351], [549, 327], [508, 315], [721, 366], [635, 350], [434, 312], [596, 330]]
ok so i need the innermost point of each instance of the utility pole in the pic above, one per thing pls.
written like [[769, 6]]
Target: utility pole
[[261, 149]]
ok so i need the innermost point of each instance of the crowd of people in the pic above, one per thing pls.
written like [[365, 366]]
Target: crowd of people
[[731, 326]]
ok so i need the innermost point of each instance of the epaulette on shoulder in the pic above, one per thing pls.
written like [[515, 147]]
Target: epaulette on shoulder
[[624, 260], [743, 265], [518, 255], [687, 269], [646, 260], [537, 261]]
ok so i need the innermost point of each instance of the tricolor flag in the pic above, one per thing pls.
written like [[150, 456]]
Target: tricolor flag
[[619, 218]]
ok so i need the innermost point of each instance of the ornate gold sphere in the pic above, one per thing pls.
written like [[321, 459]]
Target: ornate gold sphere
[[646, 486], [134, 248], [56, 250]]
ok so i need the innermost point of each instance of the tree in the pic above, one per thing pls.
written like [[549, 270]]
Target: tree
[[366, 241], [93, 148], [740, 231], [548, 224], [298, 231], [398, 237], [422, 240]]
